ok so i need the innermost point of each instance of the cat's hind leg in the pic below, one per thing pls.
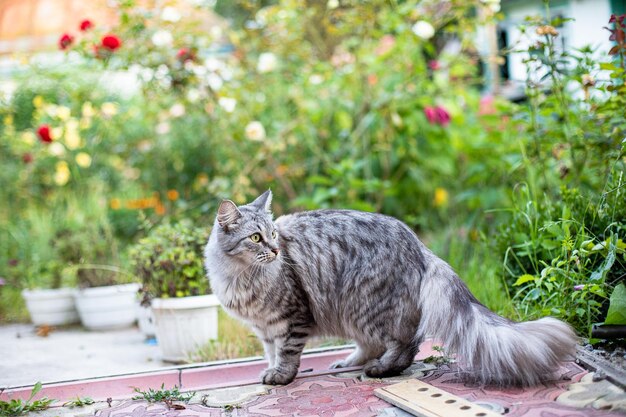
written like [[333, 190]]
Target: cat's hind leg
[[397, 357], [357, 358]]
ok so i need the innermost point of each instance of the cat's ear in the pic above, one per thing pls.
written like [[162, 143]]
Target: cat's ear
[[227, 213], [264, 201]]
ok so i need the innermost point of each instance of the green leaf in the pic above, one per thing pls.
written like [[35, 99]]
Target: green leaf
[[524, 279], [600, 273], [617, 306]]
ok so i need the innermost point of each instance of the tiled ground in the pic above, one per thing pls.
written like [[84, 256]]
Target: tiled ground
[[351, 394]]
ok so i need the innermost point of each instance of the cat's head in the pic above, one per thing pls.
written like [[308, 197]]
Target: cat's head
[[248, 232]]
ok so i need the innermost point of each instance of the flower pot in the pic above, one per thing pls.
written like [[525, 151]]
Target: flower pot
[[111, 307], [145, 321], [52, 307], [184, 324]]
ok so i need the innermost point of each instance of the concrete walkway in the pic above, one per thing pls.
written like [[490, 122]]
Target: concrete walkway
[[71, 353]]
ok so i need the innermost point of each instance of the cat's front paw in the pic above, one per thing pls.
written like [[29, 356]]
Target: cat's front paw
[[272, 376], [339, 364]]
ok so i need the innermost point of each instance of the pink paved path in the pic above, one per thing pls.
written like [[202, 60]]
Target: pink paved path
[[315, 393]]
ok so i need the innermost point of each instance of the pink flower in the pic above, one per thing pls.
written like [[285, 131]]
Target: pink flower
[[443, 117], [65, 41], [486, 105], [437, 115], [430, 114], [385, 45], [85, 25], [434, 65]]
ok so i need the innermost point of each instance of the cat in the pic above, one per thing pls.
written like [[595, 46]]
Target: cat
[[365, 277]]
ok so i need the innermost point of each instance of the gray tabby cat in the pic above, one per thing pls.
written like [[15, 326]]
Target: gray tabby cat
[[365, 277]]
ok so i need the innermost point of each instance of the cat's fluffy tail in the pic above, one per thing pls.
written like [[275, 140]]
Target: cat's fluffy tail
[[490, 349]]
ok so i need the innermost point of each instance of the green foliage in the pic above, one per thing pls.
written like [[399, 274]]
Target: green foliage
[[563, 244], [20, 407], [169, 261], [167, 396], [78, 402], [617, 306]]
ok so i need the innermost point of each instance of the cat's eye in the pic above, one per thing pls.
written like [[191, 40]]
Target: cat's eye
[[274, 234], [256, 238]]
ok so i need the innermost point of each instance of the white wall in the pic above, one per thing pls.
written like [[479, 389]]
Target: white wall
[[590, 16]]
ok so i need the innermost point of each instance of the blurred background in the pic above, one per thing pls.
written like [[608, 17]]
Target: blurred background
[[495, 129]]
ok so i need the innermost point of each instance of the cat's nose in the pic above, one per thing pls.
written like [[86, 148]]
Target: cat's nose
[[275, 250]]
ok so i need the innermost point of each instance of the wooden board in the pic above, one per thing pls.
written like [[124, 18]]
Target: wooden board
[[424, 400]]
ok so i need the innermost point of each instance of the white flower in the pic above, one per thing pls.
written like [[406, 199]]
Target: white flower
[[170, 14], [162, 128], [227, 103], [177, 110], [423, 29], [267, 62], [332, 4], [193, 95], [255, 131], [162, 38], [316, 79], [56, 149], [214, 81], [494, 5], [213, 64]]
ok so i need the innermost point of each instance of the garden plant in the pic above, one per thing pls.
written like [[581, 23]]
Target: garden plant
[[116, 158]]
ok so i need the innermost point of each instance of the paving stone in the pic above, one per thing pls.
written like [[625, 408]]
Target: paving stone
[[233, 396], [599, 394]]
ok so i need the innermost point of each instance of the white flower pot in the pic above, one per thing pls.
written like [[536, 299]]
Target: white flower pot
[[110, 307], [184, 324], [51, 307]]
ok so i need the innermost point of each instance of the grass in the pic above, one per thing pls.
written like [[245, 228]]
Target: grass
[[236, 340], [166, 396]]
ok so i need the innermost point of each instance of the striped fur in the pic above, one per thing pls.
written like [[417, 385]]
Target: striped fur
[[365, 277]]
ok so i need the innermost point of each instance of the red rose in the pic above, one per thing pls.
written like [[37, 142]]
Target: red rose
[[27, 158], [86, 25], [44, 133], [111, 42], [65, 41], [185, 54]]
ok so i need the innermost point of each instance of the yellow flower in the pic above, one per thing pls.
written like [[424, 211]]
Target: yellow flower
[[441, 197], [57, 132], [62, 174], [29, 138], [109, 109], [38, 102], [172, 195], [8, 120], [72, 137], [115, 204], [83, 160], [87, 110], [63, 113]]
